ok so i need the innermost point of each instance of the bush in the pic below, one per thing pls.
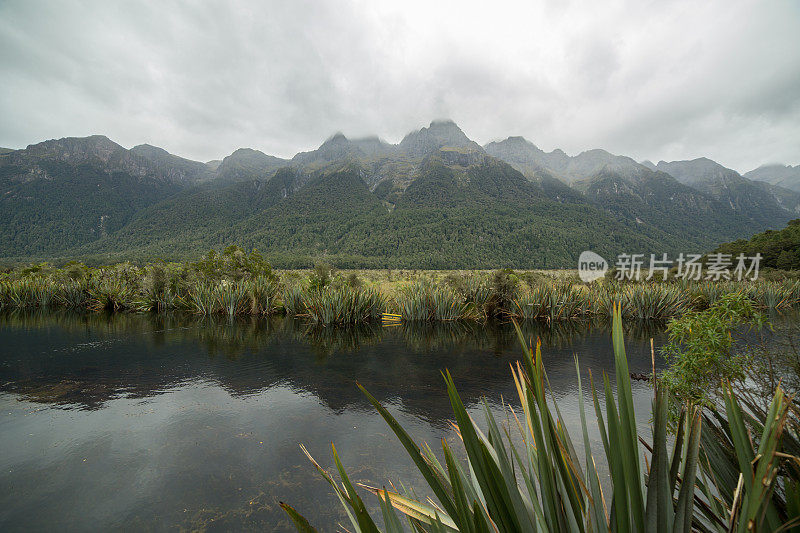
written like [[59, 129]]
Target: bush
[[700, 345]]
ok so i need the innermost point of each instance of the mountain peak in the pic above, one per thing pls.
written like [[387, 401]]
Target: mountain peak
[[76, 149], [699, 170], [244, 152], [442, 122], [149, 151], [439, 134], [247, 163], [337, 137], [777, 174]]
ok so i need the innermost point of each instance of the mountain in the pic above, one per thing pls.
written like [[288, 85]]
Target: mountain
[[782, 175], [526, 157], [246, 163], [336, 148], [779, 249], [656, 199], [532, 161], [741, 194], [177, 168], [440, 133], [435, 200], [475, 211], [786, 198], [59, 194]]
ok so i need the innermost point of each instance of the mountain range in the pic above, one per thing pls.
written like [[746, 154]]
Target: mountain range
[[436, 199]]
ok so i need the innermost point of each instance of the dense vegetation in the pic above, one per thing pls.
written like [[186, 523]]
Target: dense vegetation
[[779, 249], [725, 470], [488, 216], [238, 283], [353, 204], [78, 204]]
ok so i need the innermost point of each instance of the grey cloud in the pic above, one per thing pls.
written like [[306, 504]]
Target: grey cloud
[[658, 80]]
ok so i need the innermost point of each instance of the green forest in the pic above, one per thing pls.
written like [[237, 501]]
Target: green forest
[[778, 249]]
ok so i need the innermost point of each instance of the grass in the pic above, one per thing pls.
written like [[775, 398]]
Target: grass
[[737, 480], [423, 301], [237, 284], [343, 305]]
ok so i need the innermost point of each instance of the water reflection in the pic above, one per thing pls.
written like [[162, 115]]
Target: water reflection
[[171, 421], [85, 360]]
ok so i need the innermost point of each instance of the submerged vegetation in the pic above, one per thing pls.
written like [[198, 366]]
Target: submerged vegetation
[[725, 469], [236, 283]]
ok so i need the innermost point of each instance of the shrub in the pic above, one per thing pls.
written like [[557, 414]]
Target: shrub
[[700, 345]]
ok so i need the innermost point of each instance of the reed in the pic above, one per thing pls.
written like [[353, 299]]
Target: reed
[[412, 304], [73, 294], [772, 295], [263, 296], [458, 296], [201, 299], [424, 301], [343, 305], [111, 295], [293, 303], [653, 301], [28, 293], [550, 301], [445, 304], [232, 299], [475, 290]]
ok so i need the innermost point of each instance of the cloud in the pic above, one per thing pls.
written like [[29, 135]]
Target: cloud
[[656, 80]]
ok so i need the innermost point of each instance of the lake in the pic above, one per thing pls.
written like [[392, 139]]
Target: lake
[[169, 422]]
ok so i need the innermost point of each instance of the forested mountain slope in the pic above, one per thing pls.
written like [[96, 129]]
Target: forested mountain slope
[[435, 200]]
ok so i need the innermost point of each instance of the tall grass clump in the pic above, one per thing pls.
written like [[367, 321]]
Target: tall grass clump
[[412, 303], [156, 293], [550, 301], [474, 289], [293, 302], [111, 294], [550, 483], [772, 295], [201, 298], [653, 301], [343, 305], [503, 285], [74, 294], [28, 293], [263, 293], [424, 301], [446, 304], [232, 299]]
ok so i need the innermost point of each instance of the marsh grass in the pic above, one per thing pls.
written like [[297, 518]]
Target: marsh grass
[[653, 302], [551, 302], [423, 301], [293, 302], [235, 284], [343, 305], [263, 296], [112, 295]]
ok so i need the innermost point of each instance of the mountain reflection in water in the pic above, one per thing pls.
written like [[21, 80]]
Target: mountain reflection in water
[[164, 421]]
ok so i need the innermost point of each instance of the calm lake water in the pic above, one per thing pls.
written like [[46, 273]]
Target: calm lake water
[[137, 422]]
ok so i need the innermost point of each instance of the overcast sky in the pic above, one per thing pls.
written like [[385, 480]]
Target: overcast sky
[[652, 80]]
